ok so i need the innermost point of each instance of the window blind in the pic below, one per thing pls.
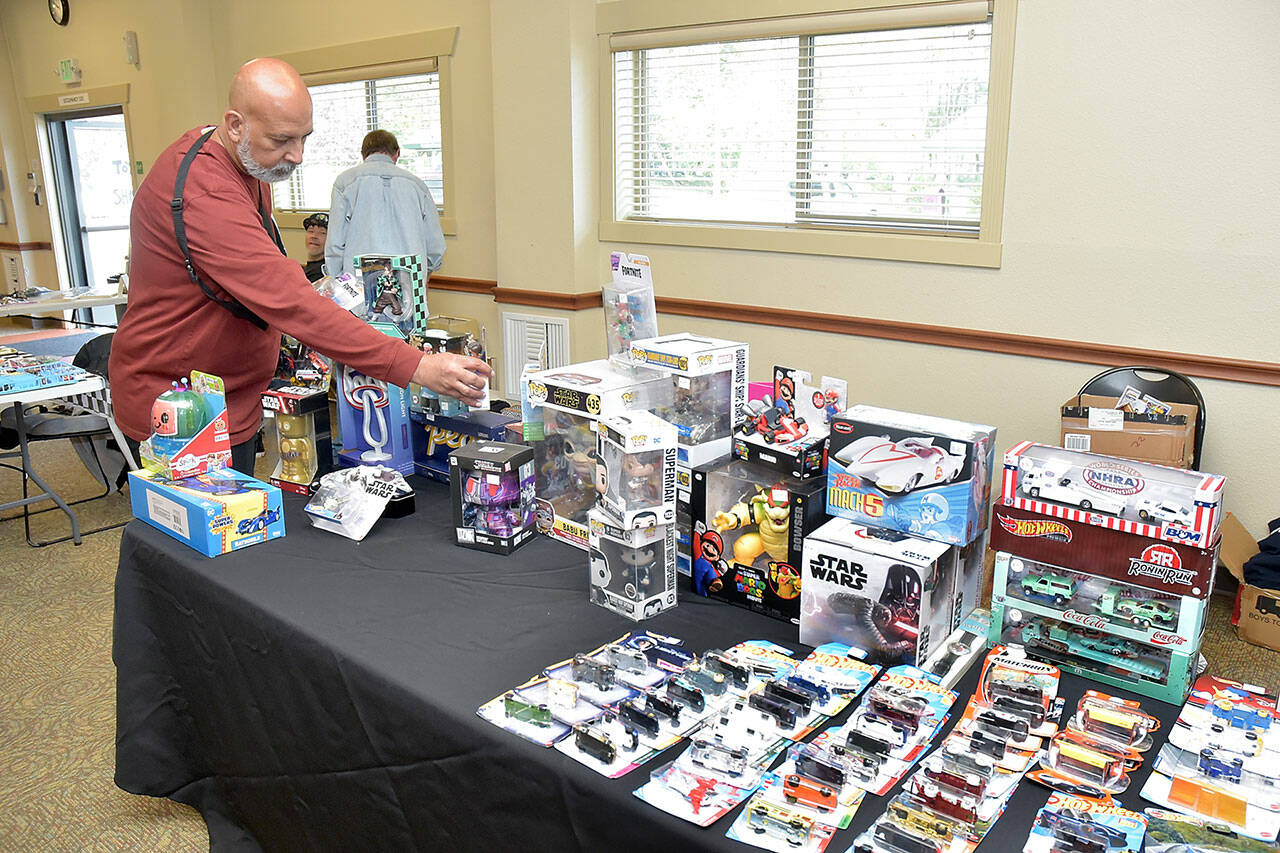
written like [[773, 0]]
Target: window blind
[[881, 129], [342, 113]]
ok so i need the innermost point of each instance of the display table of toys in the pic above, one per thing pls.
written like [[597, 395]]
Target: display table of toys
[[351, 673]]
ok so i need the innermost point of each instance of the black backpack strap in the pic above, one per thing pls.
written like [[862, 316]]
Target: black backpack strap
[[231, 304]]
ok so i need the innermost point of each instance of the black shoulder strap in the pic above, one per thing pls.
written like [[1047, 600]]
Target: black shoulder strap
[[232, 304]]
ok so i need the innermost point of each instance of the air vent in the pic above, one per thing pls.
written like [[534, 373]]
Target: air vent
[[530, 339]]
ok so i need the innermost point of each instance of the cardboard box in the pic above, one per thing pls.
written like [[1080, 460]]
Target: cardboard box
[[1168, 439], [918, 474], [388, 421], [1148, 500], [709, 389], [1158, 565], [215, 512], [633, 570], [881, 591], [748, 532], [436, 436], [1257, 611]]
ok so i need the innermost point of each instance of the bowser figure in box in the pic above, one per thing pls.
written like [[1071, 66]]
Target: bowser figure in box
[[770, 511]]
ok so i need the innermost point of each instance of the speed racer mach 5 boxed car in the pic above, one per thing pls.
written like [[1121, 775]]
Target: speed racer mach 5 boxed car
[[927, 476]]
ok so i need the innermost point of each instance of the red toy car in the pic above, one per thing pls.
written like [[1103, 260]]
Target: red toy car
[[799, 789], [773, 423]]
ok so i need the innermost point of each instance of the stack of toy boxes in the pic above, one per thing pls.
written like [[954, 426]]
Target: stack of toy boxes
[[493, 495], [632, 527], [787, 430], [708, 380], [185, 491], [1104, 566], [908, 569], [749, 524], [561, 408]]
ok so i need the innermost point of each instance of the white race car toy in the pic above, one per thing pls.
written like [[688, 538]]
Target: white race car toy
[[897, 467], [1164, 511], [1052, 483]]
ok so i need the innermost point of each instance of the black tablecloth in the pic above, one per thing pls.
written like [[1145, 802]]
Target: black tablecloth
[[314, 693]]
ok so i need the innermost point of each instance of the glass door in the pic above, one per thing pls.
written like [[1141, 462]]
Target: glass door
[[90, 157]]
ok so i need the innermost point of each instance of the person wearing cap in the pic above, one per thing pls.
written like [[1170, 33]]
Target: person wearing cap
[[316, 227], [211, 288], [381, 209]]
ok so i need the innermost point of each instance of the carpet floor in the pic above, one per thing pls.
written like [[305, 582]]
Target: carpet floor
[[57, 682]]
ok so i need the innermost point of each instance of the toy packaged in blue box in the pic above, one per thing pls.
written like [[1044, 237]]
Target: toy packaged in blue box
[[373, 418], [215, 512], [436, 436], [927, 476]]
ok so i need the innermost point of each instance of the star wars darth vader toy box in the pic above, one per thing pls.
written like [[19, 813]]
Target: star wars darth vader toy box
[[878, 590]]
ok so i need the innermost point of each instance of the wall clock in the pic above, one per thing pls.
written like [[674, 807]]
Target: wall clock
[[60, 11]]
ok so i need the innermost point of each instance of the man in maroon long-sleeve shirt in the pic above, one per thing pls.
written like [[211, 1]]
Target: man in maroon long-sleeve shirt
[[172, 327]]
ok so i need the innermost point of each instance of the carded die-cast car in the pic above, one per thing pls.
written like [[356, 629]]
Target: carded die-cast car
[[897, 467], [799, 789]]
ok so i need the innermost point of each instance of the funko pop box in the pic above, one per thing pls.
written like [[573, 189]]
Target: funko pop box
[[749, 525], [561, 407], [633, 570], [927, 476], [637, 452], [882, 591], [215, 512]]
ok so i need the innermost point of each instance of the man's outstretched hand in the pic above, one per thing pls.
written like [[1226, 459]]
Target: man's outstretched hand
[[453, 375]]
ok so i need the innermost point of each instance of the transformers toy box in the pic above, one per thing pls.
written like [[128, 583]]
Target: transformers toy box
[[633, 570], [709, 387], [188, 429], [636, 469], [786, 430], [436, 436], [748, 532], [878, 590], [1166, 567], [1148, 500], [492, 487], [561, 408], [927, 476], [216, 512], [373, 418]]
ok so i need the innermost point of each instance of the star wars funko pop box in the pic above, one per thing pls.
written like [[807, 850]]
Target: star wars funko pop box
[[878, 590], [749, 525]]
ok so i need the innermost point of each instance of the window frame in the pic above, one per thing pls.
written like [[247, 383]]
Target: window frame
[[638, 17], [410, 53]]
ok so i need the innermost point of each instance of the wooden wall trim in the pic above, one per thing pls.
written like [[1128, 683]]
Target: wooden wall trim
[[26, 247], [981, 340], [1192, 364], [456, 284], [541, 299]]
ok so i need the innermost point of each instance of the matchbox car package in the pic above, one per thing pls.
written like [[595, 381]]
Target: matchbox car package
[[1104, 566]]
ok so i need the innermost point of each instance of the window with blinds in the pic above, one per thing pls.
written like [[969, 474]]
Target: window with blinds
[[882, 130], [342, 113]]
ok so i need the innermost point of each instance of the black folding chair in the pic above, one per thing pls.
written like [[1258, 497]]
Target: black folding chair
[[1166, 385]]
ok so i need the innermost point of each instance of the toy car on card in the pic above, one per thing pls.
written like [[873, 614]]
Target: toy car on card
[[636, 716], [944, 801], [1012, 728], [1117, 721], [594, 742], [716, 661], [1215, 765], [898, 705], [894, 839], [821, 764], [909, 812], [1086, 759], [661, 706], [802, 700], [588, 671], [781, 711], [710, 683], [810, 792], [715, 756], [687, 695], [624, 659], [772, 819], [942, 772], [524, 711]]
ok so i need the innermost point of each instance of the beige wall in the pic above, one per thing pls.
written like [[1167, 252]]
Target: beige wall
[[1137, 210]]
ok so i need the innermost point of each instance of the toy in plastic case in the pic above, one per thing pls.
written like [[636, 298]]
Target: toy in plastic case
[[629, 312], [692, 794], [423, 400], [189, 429], [709, 386], [879, 590], [373, 417], [1071, 824], [768, 818], [633, 570], [560, 410], [1119, 721], [1120, 494], [638, 483], [524, 715], [1087, 759], [787, 430], [748, 530], [1170, 832], [492, 485], [914, 473], [395, 288], [951, 660]]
